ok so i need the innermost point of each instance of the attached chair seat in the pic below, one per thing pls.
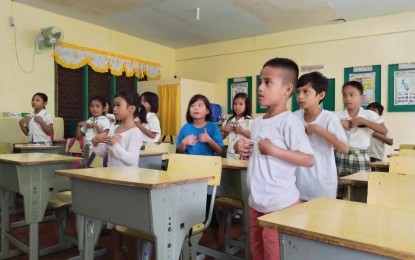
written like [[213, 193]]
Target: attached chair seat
[[228, 202], [61, 199]]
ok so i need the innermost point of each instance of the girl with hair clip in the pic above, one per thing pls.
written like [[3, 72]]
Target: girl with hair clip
[[151, 125]]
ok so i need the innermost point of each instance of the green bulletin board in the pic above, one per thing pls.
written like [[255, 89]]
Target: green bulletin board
[[237, 85], [369, 76], [328, 102], [401, 87]]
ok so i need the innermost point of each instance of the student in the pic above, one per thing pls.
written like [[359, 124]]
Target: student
[[200, 136], [98, 123], [359, 125], [122, 143], [38, 126], [151, 126], [277, 146], [376, 149], [108, 113], [239, 124], [325, 133]]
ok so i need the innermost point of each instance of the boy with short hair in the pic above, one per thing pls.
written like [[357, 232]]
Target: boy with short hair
[[325, 132], [359, 125], [376, 149], [277, 146]]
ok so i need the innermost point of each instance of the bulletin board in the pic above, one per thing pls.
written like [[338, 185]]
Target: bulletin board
[[369, 76], [259, 108], [401, 87], [328, 102], [237, 85]]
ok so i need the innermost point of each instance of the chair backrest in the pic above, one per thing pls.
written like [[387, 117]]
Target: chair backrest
[[406, 152], [402, 164], [392, 190], [196, 165], [406, 146], [160, 147]]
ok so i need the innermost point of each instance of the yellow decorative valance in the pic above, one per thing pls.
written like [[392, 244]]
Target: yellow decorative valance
[[74, 57]]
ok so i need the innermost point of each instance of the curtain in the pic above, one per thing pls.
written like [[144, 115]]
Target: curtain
[[74, 57], [169, 109]]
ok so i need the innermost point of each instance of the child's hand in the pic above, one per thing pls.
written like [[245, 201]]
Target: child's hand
[[190, 140], [204, 137], [244, 147], [39, 119], [114, 139], [311, 129], [83, 124], [355, 122], [265, 146], [93, 125], [238, 129], [100, 138], [346, 124], [227, 128]]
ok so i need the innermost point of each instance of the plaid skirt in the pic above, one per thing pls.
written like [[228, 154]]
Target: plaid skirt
[[356, 160]]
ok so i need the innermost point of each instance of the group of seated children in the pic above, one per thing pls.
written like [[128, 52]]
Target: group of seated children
[[292, 157]]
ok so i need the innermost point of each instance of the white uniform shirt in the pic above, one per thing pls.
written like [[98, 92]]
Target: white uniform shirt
[[36, 133], [153, 124], [124, 153], [321, 179], [90, 132], [245, 123], [377, 147], [271, 181], [359, 137]]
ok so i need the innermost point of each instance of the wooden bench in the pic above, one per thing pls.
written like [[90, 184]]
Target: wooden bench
[[402, 164]]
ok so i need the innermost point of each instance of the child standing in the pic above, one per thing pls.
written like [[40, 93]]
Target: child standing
[[200, 136], [359, 125], [38, 126], [325, 133], [239, 124], [122, 143], [151, 128], [96, 124], [376, 149], [277, 146], [108, 113]]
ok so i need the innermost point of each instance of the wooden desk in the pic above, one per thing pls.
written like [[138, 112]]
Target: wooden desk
[[30, 174], [233, 185], [356, 184], [155, 202], [379, 166], [36, 148], [336, 229], [151, 159]]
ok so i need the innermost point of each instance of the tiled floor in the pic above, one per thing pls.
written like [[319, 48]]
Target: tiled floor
[[48, 233]]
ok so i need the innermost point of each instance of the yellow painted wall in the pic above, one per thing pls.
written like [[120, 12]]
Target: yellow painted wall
[[17, 87], [383, 40]]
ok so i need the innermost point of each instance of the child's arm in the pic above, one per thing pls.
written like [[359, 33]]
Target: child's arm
[[226, 129], [23, 123], [380, 128], [188, 140], [99, 129], [332, 139], [383, 138], [145, 131], [243, 147], [79, 132], [205, 138], [266, 147], [243, 131], [47, 128], [130, 154]]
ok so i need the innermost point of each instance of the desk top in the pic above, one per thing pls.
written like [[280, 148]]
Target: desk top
[[355, 178], [36, 158], [145, 153], [132, 176], [234, 164], [369, 228], [35, 147]]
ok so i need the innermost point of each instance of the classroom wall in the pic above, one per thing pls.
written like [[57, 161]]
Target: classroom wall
[[17, 87], [383, 40]]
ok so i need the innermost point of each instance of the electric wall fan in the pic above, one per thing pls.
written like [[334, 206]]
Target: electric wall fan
[[47, 38]]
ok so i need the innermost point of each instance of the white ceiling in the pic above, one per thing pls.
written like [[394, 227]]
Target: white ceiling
[[174, 23]]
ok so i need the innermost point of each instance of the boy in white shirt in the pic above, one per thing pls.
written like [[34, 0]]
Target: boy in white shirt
[[325, 133], [277, 146], [359, 125], [376, 149]]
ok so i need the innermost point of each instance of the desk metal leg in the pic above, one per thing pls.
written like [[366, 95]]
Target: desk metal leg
[[33, 241], [89, 230], [245, 217], [4, 221]]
